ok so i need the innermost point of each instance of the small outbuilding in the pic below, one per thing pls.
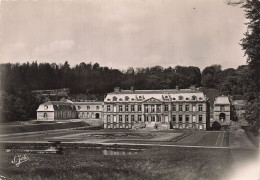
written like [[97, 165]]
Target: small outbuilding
[[55, 110], [222, 107]]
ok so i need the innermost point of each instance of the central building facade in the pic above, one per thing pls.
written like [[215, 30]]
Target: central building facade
[[180, 108]]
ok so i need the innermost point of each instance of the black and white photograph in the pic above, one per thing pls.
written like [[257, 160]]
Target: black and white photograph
[[129, 89]]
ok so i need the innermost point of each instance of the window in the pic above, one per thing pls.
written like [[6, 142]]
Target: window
[[200, 107], [132, 108], [152, 108], [132, 99], [114, 118], [153, 118], [108, 108], [120, 99], [79, 107], [147, 118], [108, 99], [108, 118], [97, 107], [174, 107], [158, 108], [88, 108], [222, 108], [180, 107], [120, 118], [139, 108], [194, 98], [166, 108], [126, 98], [174, 99], [126, 118], [120, 108], [126, 108], [187, 108], [139, 118], [180, 97], [180, 118], [200, 118], [45, 107], [187, 118], [114, 98], [132, 118], [200, 98], [174, 118], [45, 115], [187, 99], [146, 108]]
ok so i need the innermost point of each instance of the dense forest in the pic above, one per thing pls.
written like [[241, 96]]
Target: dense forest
[[18, 80]]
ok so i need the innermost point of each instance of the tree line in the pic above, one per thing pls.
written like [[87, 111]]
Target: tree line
[[18, 80]]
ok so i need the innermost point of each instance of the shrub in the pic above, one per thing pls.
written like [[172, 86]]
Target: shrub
[[216, 125]]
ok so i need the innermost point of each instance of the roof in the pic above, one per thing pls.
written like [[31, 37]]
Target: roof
[[222, 100], [88, 103], [239, 102], [162, 95], [56, 105]]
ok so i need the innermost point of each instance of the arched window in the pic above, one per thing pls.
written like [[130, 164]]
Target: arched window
[[120, 99], [174, 99], [200, 98], [45, 115], [45, 107], [88, 108], [132, 99], [108, 99], [187, 99], [126, 98]]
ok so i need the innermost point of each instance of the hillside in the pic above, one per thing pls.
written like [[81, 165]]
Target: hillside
[[211, 94]]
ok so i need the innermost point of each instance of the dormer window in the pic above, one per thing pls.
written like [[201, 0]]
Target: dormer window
[[180, 97], [126, 98], [194, 98], [108, 99], [174, 99], [120, 99], [114, 98], [88, 108], [187, 99], [132, 99], [45, 107], [79, 107], [200, 98]]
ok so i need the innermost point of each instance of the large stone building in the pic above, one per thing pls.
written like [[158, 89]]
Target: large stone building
[[181, 108], [222, 110]]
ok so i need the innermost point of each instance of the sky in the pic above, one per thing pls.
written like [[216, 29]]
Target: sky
[[123, 33]]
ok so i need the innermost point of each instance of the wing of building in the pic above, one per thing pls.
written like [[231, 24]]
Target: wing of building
[[180, 108]]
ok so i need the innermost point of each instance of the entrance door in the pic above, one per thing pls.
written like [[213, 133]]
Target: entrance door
[[97, 115], [222, 117]]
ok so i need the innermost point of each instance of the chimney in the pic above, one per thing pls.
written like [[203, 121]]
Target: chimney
[[132, 89], [177, 88], [117, 89]]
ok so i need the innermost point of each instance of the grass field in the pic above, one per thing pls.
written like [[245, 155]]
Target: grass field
[[9, 129], [156, 163]]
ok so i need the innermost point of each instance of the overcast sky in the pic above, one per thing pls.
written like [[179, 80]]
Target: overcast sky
[[123, 33]]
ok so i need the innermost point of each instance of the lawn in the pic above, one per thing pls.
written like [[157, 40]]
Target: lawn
[[9, 129], [156, 163]]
